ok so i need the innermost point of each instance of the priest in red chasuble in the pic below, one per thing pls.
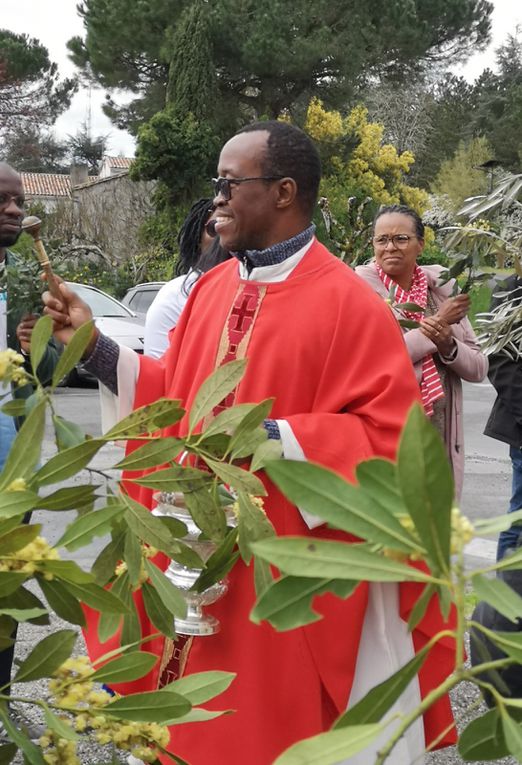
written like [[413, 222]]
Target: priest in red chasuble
[[328, 350]]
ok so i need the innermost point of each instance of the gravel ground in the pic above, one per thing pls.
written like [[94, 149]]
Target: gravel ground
[[463, 699], [89, 752]]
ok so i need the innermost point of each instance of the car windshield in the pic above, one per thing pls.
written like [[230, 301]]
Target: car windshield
[[99, 303]]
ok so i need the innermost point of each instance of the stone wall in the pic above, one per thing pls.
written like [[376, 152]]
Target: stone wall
[[109, 213]]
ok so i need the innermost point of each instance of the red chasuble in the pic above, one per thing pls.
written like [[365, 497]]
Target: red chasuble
[[329, 351]]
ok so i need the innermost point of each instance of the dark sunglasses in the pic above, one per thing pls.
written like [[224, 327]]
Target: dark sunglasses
[[223, 186]]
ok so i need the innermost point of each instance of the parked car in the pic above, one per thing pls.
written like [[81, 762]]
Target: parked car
[[114, 319], [139, 298]]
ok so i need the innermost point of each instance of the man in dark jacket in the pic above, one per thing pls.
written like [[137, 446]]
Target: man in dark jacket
[[505, 420], [508, 681], [16, 327]]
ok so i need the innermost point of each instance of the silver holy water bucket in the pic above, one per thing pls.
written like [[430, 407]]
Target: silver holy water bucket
[[196, 622]]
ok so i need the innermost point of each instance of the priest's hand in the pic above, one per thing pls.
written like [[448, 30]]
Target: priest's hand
[[68, 313]]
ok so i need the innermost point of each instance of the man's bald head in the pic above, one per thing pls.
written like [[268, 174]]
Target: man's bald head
[[6, 169]]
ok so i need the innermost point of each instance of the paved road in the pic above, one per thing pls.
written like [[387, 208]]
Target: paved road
[[487, 482], [79, 405]]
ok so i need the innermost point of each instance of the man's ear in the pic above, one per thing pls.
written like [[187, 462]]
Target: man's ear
[[287, 192]]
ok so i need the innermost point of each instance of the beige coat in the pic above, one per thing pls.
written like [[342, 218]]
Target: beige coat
[[469, 364]]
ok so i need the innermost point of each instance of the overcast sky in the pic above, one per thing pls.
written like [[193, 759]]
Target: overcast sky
[[53, 22]]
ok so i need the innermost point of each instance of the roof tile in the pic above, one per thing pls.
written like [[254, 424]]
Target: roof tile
[[46, 184], [120, 162]]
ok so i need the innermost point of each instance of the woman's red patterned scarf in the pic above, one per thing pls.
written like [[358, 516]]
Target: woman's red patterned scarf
[[430, 384]]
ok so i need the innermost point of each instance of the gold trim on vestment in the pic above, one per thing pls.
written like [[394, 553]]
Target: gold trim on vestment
[[171, 655]]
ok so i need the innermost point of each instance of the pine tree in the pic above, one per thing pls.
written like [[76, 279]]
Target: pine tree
[[192, 83], [269, 55], [30, 89]]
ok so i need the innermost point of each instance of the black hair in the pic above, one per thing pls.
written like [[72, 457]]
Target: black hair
[[291, 154], [190, 233], [211, 256], [191, 257], [402, 210]]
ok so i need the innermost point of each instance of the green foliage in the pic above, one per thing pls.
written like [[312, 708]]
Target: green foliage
[[134, 59], [83, 148], [326, 748], [192, 84], [180, 151], [127, 562], [402, 513], [450, 103], [439, 111], [370, 709], [25, 277], [158, 235], [433, 255], [459, 178], [498, 109], [345, 223], [34, 150], [269, 60], [492, 232], [30, 90], [480, 295]]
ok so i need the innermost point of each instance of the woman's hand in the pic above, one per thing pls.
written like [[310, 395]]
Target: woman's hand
[[439, 333], [452, 310]]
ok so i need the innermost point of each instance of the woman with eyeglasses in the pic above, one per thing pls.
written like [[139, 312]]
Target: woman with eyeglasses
[[443, 348]]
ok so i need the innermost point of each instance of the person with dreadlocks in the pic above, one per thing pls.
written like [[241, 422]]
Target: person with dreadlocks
[[199, 251]]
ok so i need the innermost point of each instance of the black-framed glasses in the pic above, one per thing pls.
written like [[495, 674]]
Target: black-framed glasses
[[5, 199], [399, 240], [223, 186]]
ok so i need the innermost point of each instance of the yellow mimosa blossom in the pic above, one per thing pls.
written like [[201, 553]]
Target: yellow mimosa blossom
[[322, 125], [257, 501], [26, 559], [11, 367], [147, 551], [18, 484], [375, 168], [75, 693], [462, 530]]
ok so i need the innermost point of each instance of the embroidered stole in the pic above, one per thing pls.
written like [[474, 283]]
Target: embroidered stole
[[233, 345]]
